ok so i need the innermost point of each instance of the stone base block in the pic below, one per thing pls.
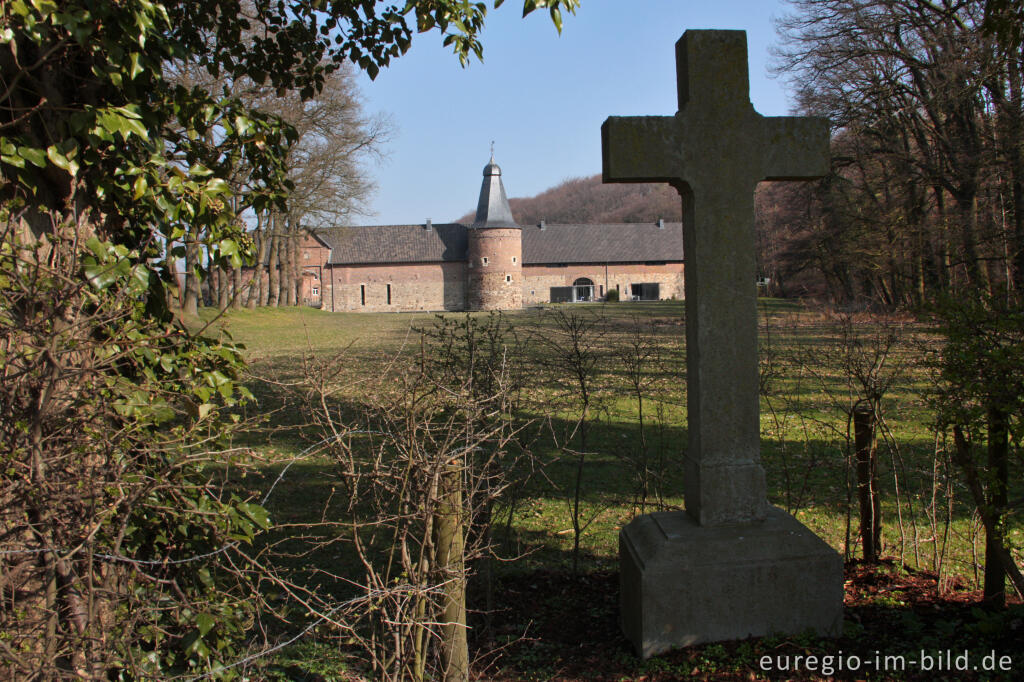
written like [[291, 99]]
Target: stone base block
[[684, 584]]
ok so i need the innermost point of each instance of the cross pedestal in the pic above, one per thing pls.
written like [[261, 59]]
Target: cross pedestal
[[731, 566]]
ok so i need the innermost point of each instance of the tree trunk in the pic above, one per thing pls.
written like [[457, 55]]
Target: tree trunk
[[190, 296], [236, 286], [169, 259], [293, 244], [967, 216], [287, 264], [223, 288], [212, 280], [942, 270], [450, 562], [964, 459], [867, 482], [998, 465], [256, 283], [263, 291], [1014, 119], [273, 265]]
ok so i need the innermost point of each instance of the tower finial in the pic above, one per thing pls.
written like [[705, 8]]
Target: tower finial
[[493, 210]]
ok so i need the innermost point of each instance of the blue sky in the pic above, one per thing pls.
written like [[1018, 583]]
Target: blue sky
[[540, 97]]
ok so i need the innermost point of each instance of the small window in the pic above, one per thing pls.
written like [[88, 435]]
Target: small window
[[305, 255], [316, 292], [484, 260], [362, 294], [389, 294], [514, 260], [508, 278]]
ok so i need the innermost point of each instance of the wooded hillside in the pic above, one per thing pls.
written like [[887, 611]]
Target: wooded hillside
[[587, 200]]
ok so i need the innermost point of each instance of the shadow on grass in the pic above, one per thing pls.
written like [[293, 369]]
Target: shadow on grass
[[549, 625]]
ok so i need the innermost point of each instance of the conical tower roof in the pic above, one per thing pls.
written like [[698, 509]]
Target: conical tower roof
[[493, 210]]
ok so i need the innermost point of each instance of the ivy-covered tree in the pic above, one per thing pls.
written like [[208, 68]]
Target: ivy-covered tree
[[118, 557]]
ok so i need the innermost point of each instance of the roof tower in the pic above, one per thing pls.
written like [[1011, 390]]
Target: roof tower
[[492, 210]]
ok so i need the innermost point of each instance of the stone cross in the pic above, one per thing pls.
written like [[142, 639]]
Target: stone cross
[[714, 151]]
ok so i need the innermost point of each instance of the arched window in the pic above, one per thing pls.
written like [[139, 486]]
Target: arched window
[[583, 289]]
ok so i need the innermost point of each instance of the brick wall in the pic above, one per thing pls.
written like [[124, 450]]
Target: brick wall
[[413, 286], [538, 279], [494, 269], [312, 263]]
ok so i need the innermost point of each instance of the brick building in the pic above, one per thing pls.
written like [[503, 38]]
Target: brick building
[[493, 264]]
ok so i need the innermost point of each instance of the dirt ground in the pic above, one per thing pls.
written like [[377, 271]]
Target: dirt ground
[[551, 626]]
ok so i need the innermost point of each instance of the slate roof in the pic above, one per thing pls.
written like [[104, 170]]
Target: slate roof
[[492, 210], [614, 243], [556, 243], [445, 242]]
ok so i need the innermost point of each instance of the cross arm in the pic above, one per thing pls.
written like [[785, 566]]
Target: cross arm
[[640, 149], [796, 148]]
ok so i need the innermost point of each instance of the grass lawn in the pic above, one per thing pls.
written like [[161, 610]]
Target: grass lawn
[[931, 535]]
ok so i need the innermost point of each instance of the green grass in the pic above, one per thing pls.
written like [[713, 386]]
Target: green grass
[[804, 447], [805, 442]]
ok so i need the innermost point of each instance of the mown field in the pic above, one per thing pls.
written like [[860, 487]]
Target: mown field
[[815, 369]]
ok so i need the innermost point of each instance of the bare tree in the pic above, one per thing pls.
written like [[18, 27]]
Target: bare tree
[[326, 166], [924, 102], [980, 393]]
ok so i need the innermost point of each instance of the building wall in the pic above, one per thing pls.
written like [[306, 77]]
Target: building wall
[[443, 286], [413, 286], [494, 269], [312, 264], [538, 279]]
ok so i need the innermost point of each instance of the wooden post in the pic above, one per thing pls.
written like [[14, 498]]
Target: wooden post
[[867, 481]]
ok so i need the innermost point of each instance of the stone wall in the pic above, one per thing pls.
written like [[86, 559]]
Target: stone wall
[[412, 286], [538, 279], [494, 269]]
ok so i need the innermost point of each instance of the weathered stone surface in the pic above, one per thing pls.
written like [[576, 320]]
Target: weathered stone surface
[[732, 568], [683, 583], [714, 151]]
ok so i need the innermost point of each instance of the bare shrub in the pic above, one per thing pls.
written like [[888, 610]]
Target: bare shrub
[[570, 347], [639, 355], [421, 456]]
